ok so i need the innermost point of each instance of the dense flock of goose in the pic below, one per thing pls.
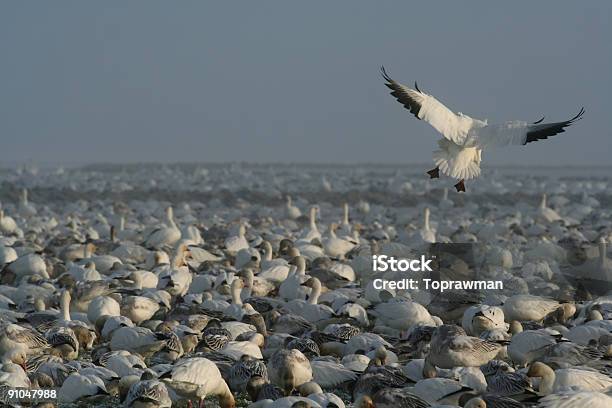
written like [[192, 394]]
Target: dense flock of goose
[[251, 285]]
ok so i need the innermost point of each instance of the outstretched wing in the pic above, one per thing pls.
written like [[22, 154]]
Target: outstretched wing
[[520, 133], [425, 107]]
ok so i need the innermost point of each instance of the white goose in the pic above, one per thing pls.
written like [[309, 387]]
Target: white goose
[[198, 377], [166, 234], [7, 224], [564, 379], [545, 213], [26, 208], [310, 309], [311, 232], [234, 243], [336, 247], [293, 212], [465, 138]]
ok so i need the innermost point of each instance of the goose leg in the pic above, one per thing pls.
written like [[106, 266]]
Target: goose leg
[[434, 173], [460, 186]]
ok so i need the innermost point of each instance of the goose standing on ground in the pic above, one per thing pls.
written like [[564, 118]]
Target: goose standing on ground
[[452, 347], [235, 243], [293, 212], [310, 309], [465, 138], [289, 369], [311, 232], [198, 377], [7, 224], [336, 247], [164, 235], [26, 208]]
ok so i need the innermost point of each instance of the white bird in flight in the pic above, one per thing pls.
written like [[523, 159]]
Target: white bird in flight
[[465, 138]]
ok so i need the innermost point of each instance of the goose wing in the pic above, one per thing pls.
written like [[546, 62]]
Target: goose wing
[[27, 337], [520, 133], [425, 107]]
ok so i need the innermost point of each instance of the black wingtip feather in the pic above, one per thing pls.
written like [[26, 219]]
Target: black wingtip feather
[[550, 129], [539, 121], [386, 76]]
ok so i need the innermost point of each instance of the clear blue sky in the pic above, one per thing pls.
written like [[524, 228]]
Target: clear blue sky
[[125, 81]]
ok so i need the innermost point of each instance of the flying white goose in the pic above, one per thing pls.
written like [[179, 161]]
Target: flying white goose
[[465, 138]]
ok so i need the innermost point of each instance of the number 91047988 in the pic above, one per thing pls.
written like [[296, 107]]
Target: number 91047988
[[17, 395]]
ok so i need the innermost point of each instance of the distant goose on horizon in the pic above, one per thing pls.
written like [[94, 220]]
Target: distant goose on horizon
[[465, 138]]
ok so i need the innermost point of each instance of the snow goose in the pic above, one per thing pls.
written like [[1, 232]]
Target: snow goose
[[14, 376], [311, 232], [102, 306], [568, 378], [235, 310], [391, 398], [573, 399], [15, 337], [63, 342], [292, 287], [530, 345], [139, 308], [242, 371], [77, 387], [7, 255], [148, 393], [289, 369], [164, 235], [331, 375], [546, 214], [234, 243], [136, 339], [29, 264], [465, 138], [451, 347], [313, 391], [7, 224], [254, 286], [402, 314], [26, 208], [426, 234], [198, 377], [310, 309], [345, 229], [293, 212], [477, 319], [336, 247], [528, 307]]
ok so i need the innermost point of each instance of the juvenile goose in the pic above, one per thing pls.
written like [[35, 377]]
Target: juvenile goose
[[14, 337], [451, 347], [148, 394], [288, 369]]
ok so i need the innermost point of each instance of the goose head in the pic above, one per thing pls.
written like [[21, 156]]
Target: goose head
[[308, 388], [364, 401], [515, 327]]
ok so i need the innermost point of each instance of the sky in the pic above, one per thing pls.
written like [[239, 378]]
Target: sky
[[288, 81]]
